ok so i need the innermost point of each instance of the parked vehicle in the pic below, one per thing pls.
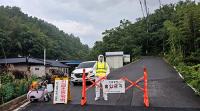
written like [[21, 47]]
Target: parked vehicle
[[76, 76], [39, 93]]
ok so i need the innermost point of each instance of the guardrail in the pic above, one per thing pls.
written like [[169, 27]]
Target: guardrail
[[13, 104]]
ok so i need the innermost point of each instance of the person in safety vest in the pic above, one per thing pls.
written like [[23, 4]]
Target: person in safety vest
[[101, 69]]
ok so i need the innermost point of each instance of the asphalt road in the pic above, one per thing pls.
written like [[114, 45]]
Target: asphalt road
[[167, 92]]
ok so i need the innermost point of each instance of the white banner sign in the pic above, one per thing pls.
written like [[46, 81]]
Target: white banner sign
[[113, 86], [60, 91]]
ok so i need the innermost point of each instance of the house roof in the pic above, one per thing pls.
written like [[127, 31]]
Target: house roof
[[119, 53], [20, 60], [71, 62], [52, 63], [55, 63]]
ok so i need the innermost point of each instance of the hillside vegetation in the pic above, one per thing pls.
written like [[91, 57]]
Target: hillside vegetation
[[24, 35], [172, 31]]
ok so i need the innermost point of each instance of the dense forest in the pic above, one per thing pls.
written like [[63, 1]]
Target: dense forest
[[24, 35], [172, 30]]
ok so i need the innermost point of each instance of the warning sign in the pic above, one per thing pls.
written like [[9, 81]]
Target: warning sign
[[113, 86], [60, 90]]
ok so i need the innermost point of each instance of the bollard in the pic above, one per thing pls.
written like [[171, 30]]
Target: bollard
[[83, 99], [146, 98]]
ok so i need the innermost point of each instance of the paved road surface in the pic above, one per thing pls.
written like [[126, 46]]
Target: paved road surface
[[167, 92]]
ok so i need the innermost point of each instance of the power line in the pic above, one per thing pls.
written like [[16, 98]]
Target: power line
[[141, 8], [160, 3], [146, 9]]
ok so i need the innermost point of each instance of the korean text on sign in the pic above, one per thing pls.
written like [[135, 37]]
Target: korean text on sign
[[114, 86], [60, 91]]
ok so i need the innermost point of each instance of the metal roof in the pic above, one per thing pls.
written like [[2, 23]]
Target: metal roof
[[71, 61], [55, 63], [20, 60], [127, 55], [52, 63], [118, 53]]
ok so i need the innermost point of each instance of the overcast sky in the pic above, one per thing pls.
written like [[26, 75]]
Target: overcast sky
[[84, 18]]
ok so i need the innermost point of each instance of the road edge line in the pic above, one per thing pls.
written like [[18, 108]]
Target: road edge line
[[197, 92], [179, 73], [22, 106], [181, 76]]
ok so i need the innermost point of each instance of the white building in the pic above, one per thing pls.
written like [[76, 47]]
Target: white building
[[29, 66], [33, 66], [116, 59], [54, 65], [127, 58]]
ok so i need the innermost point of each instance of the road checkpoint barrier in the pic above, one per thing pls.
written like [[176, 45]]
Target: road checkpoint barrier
[[61, 90], [85, 88], [144, 89]]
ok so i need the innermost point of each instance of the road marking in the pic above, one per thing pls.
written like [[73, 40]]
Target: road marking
[[178, 73], [186, 82], [193, 89], [22, 106], [181, 76]]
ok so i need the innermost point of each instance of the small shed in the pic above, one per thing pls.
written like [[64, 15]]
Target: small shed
[[115, 59], [56, 65], [127, 58]]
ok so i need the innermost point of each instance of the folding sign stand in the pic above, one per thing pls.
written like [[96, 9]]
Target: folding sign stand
[[62, 90], [132, 83]]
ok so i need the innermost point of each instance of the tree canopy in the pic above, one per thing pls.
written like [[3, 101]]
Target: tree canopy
[[173, 29], [25, 35]]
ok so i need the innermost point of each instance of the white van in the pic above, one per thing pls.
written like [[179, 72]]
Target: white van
[[76, 76]]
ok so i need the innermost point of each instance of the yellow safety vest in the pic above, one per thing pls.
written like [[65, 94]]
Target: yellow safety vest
[[101, 69]]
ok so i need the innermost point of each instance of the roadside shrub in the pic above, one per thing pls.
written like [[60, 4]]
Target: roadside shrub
[[191, 75], [7, 91], [19, 74], [191, 60], [11, 89], [33, 78], [6, 78], [21, 87], [174, 59], [196, 67], [1, 95], [195, 84]]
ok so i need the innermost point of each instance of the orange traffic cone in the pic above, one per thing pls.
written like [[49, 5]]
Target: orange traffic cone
[[83, 99], [146, 98]]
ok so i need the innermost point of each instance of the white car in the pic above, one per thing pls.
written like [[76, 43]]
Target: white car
[[76, 76]]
